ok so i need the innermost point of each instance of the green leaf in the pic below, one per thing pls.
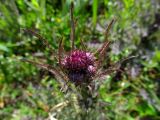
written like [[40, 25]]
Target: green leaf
[[4, 48], [94, 10]]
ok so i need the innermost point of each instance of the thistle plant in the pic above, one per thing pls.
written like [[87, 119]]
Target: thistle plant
[[79, 67]]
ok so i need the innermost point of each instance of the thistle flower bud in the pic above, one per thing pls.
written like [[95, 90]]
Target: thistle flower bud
[[78, 60], [79, 65]]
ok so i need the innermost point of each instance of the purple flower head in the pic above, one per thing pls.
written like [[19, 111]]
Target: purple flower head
[[79, 65], [78, 60]]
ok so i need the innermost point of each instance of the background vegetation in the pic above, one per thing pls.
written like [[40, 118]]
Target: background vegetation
[[30, 93]]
